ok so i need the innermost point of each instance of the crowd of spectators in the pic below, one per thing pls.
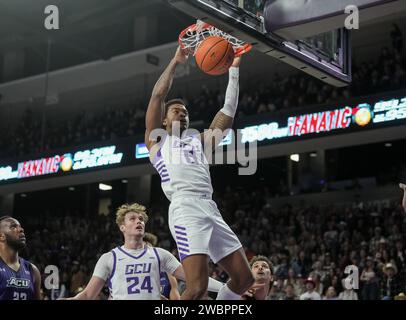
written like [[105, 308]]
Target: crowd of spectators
[[319, 242], [312, 244], [387, 72]]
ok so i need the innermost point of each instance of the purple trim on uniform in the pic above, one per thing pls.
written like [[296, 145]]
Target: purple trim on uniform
[[159, 260], [183, 249], [159, 154], [162, 172], [182, 244], [181, 239], [181, 233], [163, 169], [159, 162], [165, 180], [165, 175], [182, 256], [160, 166], [180, 228], [114, 268], [130, 255]]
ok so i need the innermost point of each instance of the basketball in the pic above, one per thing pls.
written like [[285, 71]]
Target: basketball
[[215, 55]]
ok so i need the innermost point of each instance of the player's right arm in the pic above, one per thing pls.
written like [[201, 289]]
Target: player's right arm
[[403, 186], [223, 121], [101, 273], [155, 112], [92, 290]]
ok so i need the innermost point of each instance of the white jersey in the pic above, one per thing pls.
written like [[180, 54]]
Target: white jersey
[[135, 274], [183, 167]]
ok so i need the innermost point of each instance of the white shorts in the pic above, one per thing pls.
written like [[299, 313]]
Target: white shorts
[[198, 228]]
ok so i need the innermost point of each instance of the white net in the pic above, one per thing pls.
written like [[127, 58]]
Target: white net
[[194, 36]]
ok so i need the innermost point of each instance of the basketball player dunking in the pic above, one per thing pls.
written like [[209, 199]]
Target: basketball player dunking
[[194, 220], [133, 270], [19, 279]]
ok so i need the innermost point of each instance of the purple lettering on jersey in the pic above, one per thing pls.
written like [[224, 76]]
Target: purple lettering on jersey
[[133, 285], [138, 268]]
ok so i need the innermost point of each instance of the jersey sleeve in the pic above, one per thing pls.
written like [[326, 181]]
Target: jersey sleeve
[[104, 266], [168, 261]]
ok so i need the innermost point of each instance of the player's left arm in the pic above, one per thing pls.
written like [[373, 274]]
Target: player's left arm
[[37, 282], [223, 121], [403, 187]]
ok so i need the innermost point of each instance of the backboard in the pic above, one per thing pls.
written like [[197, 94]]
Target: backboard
[[326, 56]]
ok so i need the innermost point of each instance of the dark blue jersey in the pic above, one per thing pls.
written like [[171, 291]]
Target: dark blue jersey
[[165, 285], [17, 285]]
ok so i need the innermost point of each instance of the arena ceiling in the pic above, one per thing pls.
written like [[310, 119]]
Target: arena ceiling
[[89, 30]]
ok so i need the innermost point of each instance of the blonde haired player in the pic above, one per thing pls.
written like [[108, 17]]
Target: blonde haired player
[[194, 220], [132, 271]]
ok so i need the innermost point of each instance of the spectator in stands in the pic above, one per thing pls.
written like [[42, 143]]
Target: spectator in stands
[[293, 281], [310, 293], [275, 292], [301, 265], [318, 285], [400, 256], [391, 283], [347, 294], [331, 294], [403, 187], [281, 271], [370, 281], [289, 292]]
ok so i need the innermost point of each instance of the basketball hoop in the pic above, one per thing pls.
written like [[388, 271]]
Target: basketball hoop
[[191, 38]]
